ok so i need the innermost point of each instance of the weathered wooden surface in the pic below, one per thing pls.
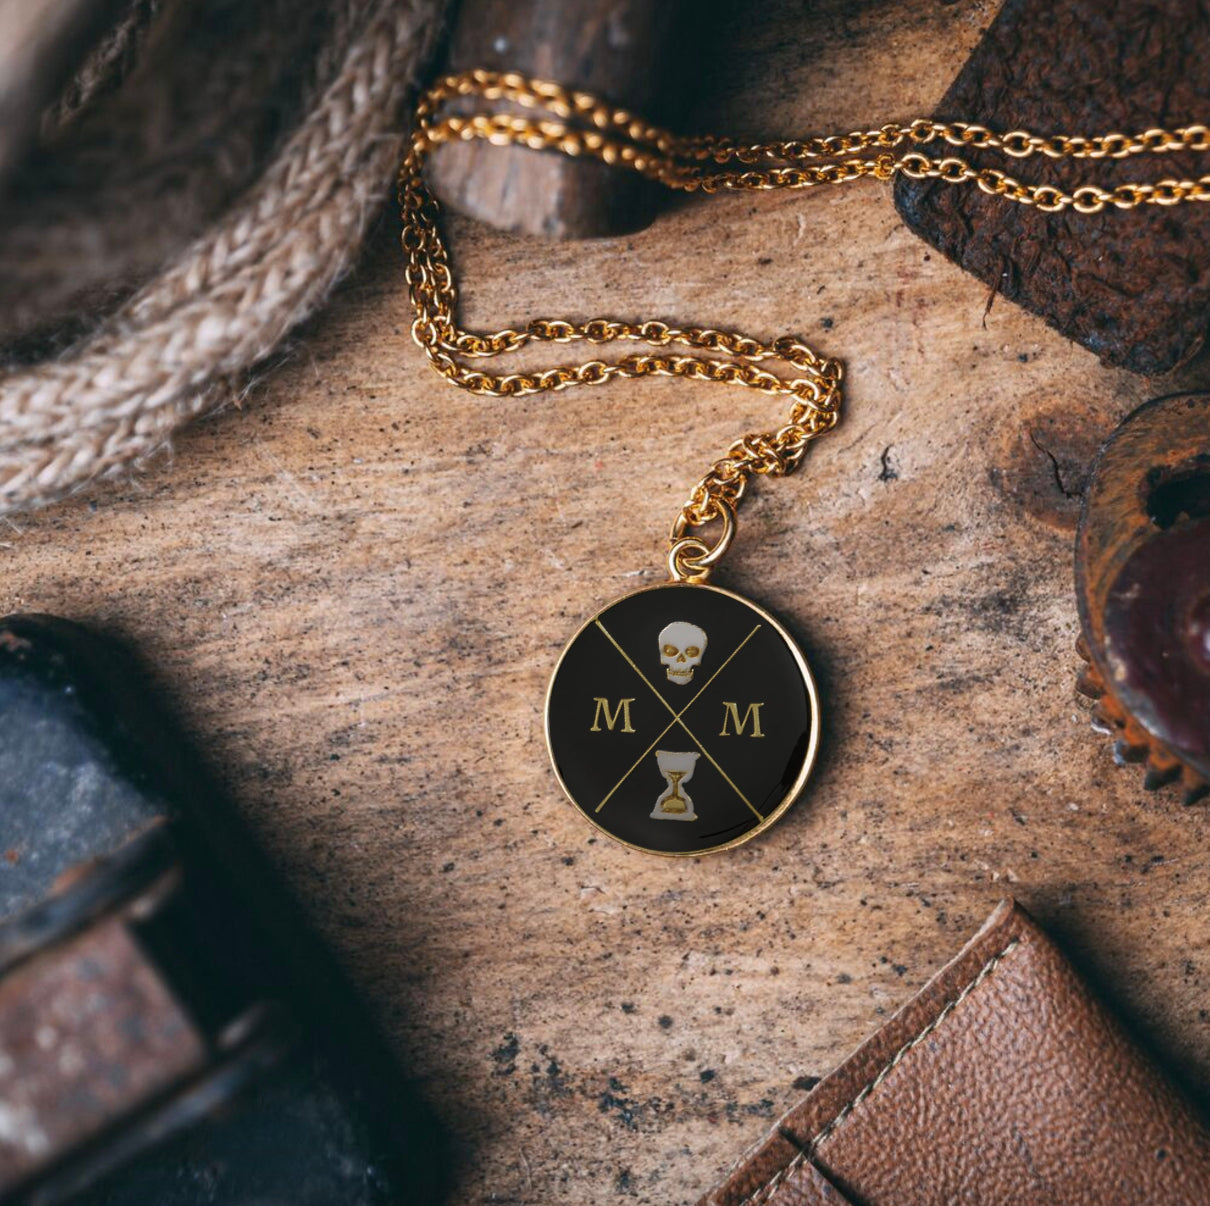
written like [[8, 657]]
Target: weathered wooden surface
[[357, 588]]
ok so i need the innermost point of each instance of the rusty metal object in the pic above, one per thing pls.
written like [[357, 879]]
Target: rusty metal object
[[1137, 292], [1143, 586], [170, 1029], [625, 51], [99, 1033]]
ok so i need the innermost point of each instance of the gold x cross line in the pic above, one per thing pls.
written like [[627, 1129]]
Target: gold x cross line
[[677, 718]]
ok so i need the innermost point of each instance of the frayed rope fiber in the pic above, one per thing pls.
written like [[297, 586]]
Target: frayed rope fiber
[[203, 181]]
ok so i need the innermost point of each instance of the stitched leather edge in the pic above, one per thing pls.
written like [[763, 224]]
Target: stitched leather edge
[[762, 1193], [986, 970]]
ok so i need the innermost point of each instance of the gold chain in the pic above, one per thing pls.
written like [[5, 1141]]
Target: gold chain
[[577, 124]]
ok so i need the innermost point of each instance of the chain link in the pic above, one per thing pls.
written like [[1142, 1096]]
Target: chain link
[[578, 124]]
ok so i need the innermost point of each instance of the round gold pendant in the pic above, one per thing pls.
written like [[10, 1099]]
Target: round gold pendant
[[682, 719]]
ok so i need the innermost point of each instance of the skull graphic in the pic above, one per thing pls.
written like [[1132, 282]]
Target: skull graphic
[[681, 648]]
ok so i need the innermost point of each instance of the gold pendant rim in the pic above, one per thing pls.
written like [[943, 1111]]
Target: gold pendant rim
[[804, 669]]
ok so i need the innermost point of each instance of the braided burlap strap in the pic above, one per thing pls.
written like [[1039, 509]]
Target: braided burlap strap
[[200, 185]]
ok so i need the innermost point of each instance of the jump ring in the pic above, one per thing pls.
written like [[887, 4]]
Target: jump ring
[[690, 558]]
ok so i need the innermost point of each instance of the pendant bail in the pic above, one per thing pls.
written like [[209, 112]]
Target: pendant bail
[[690, 558]]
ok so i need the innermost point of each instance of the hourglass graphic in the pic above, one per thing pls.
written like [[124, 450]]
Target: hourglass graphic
[[674, 803]]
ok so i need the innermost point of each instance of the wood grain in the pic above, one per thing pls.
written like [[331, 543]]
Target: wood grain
[[357, 586]]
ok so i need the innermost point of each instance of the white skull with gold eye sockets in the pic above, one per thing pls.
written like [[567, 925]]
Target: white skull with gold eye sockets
[[682, 646]]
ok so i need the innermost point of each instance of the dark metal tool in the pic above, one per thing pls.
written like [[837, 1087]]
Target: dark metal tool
[[170, 1031], [1143, 585]]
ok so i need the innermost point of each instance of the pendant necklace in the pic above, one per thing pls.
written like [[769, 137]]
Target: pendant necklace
[[683, 719]]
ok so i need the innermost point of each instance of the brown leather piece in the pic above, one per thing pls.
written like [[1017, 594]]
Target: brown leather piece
[[804, 1185], [1003, 1081]]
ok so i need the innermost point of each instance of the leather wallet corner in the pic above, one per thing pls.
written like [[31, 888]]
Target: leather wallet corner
[[1002, 1081]]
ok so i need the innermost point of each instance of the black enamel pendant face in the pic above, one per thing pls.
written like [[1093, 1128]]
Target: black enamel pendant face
[[682, 719]]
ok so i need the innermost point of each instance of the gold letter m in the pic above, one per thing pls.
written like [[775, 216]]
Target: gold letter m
[[731, 713], [622, 710]]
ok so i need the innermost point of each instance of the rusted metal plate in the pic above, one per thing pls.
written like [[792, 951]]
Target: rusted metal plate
[[89, 1032], [1134, 289]]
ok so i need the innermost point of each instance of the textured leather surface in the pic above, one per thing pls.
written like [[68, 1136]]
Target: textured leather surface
[[804, 1185], [1003, 1081]]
